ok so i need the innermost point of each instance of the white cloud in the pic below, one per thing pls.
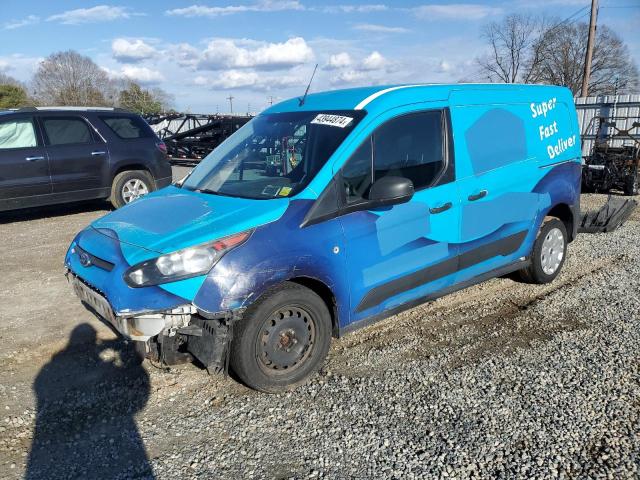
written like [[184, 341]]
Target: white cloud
[[369, 27], [339, 60], [367, 8], [184, 55], [132, 50], [19, 66], [444, 67], [248, 79], [29, 20], [375, 61], [99, 13], [455, 11], [142, 75], [349, 76], [262, 6], [224, 53]]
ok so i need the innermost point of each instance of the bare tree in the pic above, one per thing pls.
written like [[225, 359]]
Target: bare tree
[[513, 48], [529, 49], [68, 78], [9, 80], [562, 61]]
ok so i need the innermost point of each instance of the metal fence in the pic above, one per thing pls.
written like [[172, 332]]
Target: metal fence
[[626, 106]]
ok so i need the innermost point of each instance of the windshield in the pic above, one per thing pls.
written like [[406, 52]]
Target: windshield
[[274, 155]]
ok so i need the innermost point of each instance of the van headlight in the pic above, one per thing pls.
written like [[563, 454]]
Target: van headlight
[[181, 264]]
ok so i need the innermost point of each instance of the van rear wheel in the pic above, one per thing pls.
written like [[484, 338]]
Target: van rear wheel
[[548, 254], [282, 339], [130, 185]]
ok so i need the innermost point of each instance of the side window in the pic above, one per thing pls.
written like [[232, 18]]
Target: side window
[[356, 174], [127, 127], [17, 134], [411, 146], [66, 131]]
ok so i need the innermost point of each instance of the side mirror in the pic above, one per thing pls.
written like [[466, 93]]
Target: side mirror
[[390, 191]]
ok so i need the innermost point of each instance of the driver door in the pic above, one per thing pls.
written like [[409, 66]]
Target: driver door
[[404, 252]]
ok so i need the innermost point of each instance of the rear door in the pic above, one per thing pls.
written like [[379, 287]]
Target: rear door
[[24, 170], [77, 155], [497, 173]]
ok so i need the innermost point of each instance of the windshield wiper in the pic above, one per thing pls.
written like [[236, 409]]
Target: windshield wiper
[[212, 192]]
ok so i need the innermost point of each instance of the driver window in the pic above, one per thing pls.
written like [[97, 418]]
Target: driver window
[[410, 146]]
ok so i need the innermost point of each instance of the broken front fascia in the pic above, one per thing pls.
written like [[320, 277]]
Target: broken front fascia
[[143, 326]]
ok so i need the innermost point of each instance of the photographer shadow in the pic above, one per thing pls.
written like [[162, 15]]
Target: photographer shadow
[[87, 396]]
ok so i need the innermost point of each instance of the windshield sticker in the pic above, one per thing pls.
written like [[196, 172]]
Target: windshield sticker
[[332, 120], [270, 190], [284, 191]]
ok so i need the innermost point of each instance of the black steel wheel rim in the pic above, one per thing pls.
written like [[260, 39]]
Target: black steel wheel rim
[[285, 340]]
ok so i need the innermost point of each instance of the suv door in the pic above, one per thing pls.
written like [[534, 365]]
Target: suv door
[[24, 170], [78, 157], [407, 251]]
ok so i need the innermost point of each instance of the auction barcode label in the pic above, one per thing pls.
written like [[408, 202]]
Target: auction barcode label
[[332, 120]]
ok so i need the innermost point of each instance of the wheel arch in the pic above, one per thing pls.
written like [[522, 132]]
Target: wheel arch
[[565, 214], [125, 167], [326, 294]]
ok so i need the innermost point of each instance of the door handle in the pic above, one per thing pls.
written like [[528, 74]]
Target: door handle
[[33, 159], [95, 154], [477, 196], [442, 208]]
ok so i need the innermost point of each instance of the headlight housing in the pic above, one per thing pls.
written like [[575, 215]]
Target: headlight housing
[[181, 264]]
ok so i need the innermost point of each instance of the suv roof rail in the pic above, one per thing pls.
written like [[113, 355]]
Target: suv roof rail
[[72, 109]]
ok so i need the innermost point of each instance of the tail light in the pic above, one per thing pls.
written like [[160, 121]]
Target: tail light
[[162, 147]]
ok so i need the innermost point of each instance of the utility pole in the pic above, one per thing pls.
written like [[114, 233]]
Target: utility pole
[[230, 98], [270, 99], [590, 42]]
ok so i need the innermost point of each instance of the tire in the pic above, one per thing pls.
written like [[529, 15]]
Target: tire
[[631, 185], [545, 264], [282, 339], [129, 178]]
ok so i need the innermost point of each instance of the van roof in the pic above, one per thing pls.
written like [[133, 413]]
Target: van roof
[[391, 95]]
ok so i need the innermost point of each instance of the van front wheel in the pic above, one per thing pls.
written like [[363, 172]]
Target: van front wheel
[[282, 339], [548, 254]]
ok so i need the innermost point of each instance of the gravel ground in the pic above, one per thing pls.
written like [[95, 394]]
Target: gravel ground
[[501, 380]]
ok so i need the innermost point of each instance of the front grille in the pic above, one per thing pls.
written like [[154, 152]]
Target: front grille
[[93, 260]]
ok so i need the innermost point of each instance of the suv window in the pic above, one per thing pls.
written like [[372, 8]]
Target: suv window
[[127, 127], [17, 134], [410, 146], [66, 131]]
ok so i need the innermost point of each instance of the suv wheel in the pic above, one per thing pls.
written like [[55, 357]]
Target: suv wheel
[[282, 339], [130, 185], [548, 254]]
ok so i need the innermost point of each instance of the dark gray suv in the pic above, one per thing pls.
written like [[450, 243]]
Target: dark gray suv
[[62, 154]]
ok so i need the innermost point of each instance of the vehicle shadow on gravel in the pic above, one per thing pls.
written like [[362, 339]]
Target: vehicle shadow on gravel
[[36, 213], [87, 396]]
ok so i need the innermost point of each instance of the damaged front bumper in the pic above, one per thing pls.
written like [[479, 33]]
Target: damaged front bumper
[[204, 335]]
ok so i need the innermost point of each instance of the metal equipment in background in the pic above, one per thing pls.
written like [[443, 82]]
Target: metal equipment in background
[[191, 137], [613, 167]]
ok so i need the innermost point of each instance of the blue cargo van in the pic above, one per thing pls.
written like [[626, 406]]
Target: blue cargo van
[[327, 213]]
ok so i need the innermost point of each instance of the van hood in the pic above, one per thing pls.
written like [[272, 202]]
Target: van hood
[[175, 218]]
